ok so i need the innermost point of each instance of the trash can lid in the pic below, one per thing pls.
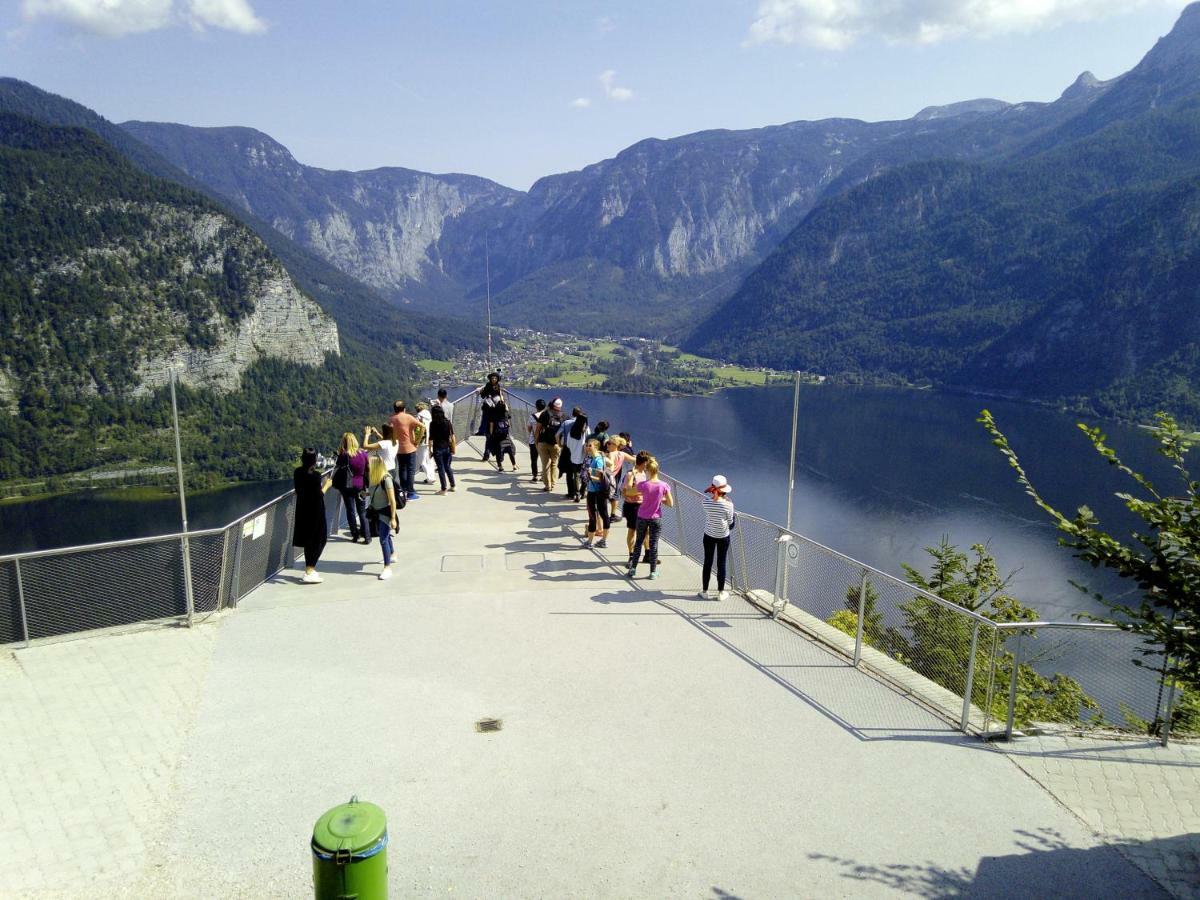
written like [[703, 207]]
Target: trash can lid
[[353, 827]]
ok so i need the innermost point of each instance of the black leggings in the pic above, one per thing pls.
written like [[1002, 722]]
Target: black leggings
[[533, 460], [312, 551], [721, 546], [647, 536], [572, 479], [597, 509]]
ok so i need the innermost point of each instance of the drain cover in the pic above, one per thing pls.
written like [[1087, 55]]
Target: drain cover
[[486, 725]]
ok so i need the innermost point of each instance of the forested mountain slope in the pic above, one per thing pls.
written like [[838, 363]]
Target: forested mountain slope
[[363, 315], [1052, 273]]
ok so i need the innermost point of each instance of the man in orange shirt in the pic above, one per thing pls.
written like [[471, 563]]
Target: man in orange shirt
[[402, 430]]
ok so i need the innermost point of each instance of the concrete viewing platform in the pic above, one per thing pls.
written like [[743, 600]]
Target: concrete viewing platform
[[653, 744]]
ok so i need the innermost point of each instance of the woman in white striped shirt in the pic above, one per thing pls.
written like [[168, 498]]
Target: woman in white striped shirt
[[719, 520]]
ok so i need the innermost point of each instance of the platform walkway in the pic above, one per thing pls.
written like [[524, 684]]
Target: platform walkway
[[653, 744]]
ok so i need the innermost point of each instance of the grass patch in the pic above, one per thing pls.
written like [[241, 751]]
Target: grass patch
[[434, 365]]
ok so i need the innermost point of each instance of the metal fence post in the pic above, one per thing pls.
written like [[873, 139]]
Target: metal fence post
[[1012, 688], [1166, 726], [863, 584], [337, 514], [678, 497], [222, 589], [966, 712], [21, 603], [987, 703], [236, 581], [189, 598], [745, 572], [779, 602]]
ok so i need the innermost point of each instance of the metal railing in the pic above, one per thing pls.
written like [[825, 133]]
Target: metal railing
[[1043, 676], [978, 673]]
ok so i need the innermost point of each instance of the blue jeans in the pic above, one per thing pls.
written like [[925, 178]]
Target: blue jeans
[[441, 459], [356, 513], [406, 466], [647, 533], [385, 538]]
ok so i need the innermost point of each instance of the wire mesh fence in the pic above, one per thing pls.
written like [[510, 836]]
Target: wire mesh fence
[[1046, 677]]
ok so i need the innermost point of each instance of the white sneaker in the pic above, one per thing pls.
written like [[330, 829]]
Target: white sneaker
[[703, 595], [724, 595], [385, 574], [312, 578]]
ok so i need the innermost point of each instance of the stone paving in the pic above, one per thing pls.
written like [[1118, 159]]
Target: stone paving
[[654, 744], [1140, 796]]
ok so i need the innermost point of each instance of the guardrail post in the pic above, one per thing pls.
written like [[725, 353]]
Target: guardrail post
[[779, 603], [1012, 688], [222, 591], [745, 572], [678, 497], [1166, 726], [21, 603], [337, 515], [863, 585], [987, 703], [236, 581], [189, 598], [970, 686]]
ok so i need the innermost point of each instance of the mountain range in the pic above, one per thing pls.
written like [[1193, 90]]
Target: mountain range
[[1041, 250]]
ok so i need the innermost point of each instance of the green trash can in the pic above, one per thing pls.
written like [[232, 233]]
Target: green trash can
[[349, 847]]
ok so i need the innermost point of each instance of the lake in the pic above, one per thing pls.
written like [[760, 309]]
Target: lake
[[881, 474]]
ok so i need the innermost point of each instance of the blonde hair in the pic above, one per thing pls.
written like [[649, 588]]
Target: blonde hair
[[377, 470], [349, 443], [652, 467], [593, 444], [422, 406]]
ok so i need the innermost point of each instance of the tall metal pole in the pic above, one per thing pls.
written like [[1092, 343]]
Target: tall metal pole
[[792, 458], [187, 553], [487, 269]]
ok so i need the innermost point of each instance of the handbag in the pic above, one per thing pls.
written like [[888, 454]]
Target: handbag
[[341, 473]]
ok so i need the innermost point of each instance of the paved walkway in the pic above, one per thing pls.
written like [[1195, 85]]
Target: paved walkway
[[653, 744]]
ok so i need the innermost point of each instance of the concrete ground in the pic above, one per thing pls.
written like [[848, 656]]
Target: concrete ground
[[653, 744]]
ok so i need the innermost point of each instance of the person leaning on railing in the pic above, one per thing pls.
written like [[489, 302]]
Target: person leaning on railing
[[381, 509], [310, 529]]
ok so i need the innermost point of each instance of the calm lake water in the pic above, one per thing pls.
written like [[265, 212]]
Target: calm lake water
[[881, 474]]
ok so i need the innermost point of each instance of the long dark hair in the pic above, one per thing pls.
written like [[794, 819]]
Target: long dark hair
[[438, 414], [579, 426], [308, 459]]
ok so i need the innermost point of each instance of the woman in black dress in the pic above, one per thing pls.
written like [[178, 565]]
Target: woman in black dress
[[311, 528]]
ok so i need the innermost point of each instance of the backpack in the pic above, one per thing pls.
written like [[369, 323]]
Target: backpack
[[341, 473]]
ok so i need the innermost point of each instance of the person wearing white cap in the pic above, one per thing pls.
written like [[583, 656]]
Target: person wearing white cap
[[546, 437], [719, 521]]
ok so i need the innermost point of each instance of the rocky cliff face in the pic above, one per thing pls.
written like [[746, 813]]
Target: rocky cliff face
[[110, 277], [383, 226]]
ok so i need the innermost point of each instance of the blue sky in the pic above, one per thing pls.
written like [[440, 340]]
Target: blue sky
[[516, 90]]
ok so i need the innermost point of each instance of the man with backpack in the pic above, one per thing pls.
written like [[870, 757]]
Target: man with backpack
[[549, 420]]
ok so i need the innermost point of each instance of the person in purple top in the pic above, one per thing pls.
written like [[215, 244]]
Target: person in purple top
[[350, 478], [655, 495]]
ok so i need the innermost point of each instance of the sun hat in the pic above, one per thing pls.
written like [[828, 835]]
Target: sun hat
[[721, 483], [557, 404]]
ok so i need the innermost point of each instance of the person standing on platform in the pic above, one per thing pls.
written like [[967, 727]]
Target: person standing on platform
[[655, 495], [719, 520], [381, 506], [311, 528], [574, 438], [531, 431], [595, 472], [446, 405], [489, 395], [423, 463], [615, 459], [404, 428], [631, 496], [349, 479], [386, 447], [547, 442], [441, 437]]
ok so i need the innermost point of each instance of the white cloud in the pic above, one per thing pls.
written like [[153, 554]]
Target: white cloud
[[581, 103], [116, 18], [231, 15], [605, 25], [836, 24], [608, 80], [110, 18]]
